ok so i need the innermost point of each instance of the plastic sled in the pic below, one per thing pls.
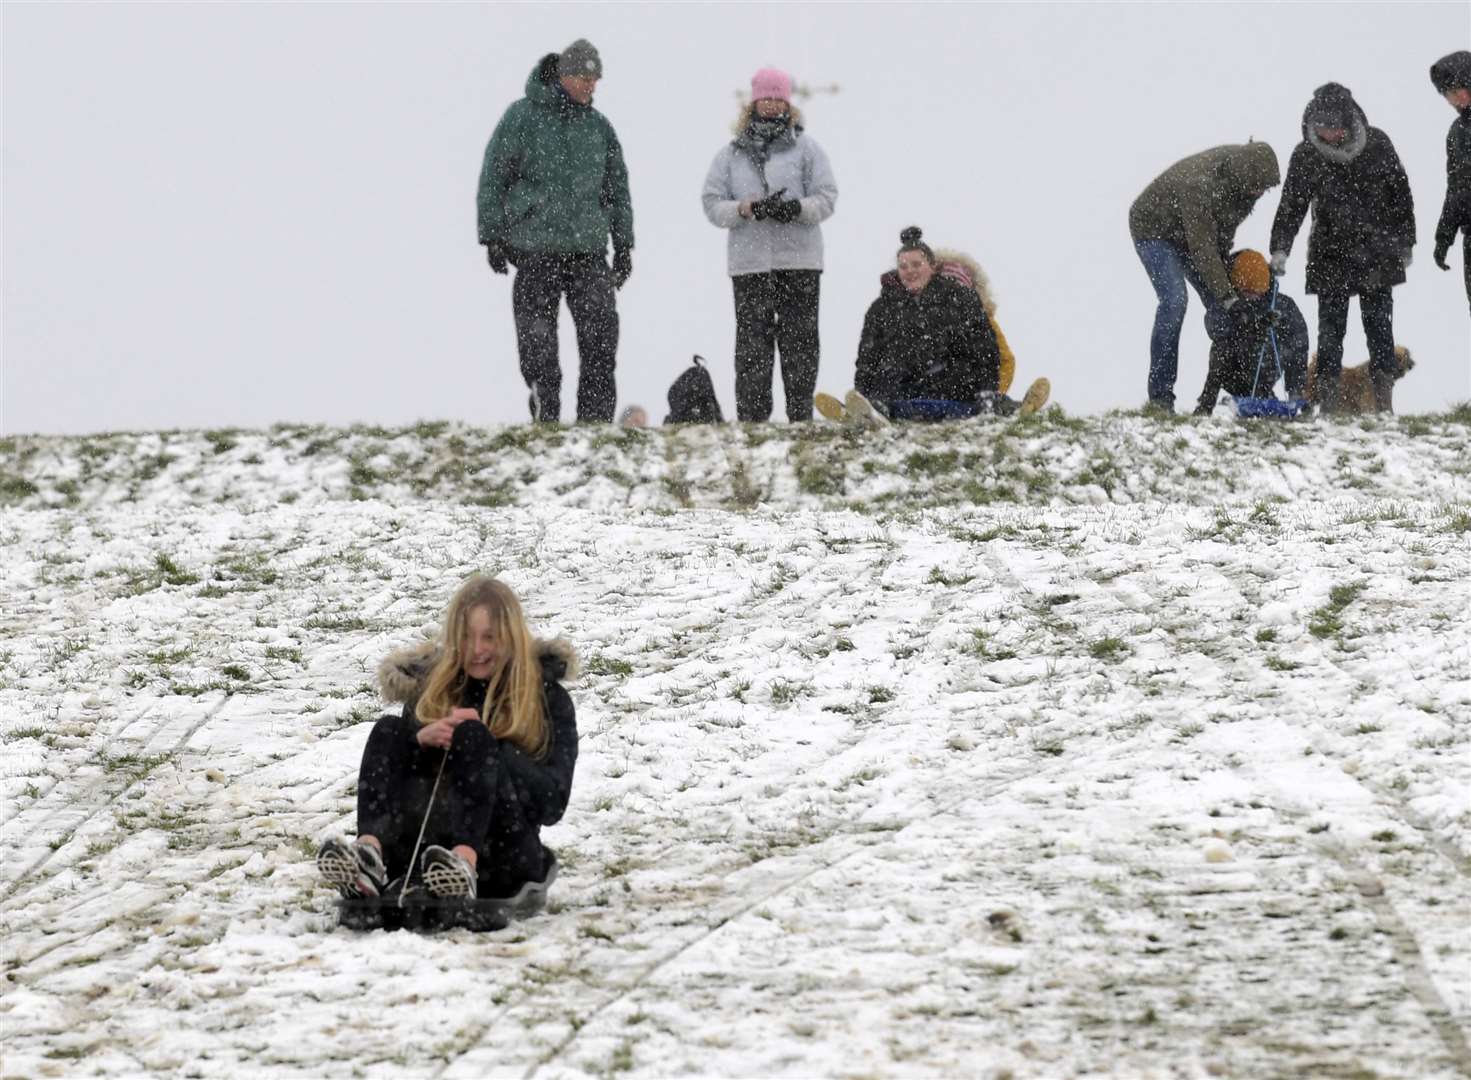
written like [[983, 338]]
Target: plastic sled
[[415, 909], [1269, 408]]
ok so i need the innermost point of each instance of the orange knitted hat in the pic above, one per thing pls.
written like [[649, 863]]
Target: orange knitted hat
[[1249, 272]]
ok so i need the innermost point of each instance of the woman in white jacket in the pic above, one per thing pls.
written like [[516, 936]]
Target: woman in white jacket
[[771, 187]]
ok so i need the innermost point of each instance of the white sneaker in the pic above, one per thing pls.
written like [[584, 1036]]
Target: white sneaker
[[354, 869], [446, 874], [863, 410]]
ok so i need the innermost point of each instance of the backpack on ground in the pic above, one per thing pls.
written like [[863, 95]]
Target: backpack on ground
[[692, 397]]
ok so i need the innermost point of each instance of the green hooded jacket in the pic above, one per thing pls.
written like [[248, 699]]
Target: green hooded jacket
[[1199, 203], [553, 180]]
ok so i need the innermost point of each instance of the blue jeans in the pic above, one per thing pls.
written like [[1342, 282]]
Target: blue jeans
[[1169, 269]]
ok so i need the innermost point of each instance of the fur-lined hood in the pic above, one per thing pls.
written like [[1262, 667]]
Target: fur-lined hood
[[1337, 98], [794, 118], [402, 673], [959, 267]]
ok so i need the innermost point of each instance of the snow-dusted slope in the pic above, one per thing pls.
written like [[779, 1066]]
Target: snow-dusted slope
[[1101, 748]]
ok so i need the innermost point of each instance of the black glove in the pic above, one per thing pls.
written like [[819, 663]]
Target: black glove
[[785, 211], [1272, 317], [764, 209], [1440, 254], [622, 266], [495, 254]]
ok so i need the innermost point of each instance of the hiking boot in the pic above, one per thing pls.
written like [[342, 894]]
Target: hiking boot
[[1035, 397], [446, 874], [830, 407], [353, 869]]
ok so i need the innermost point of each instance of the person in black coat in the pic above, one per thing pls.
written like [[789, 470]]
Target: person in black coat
[[1451, 77], [1362, 236], [1242, 360], [480, 759], [926, 337]]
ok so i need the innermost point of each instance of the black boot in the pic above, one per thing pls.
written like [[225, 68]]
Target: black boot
[[1383, 383]]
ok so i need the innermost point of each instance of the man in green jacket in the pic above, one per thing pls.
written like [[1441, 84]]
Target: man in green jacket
[[553, 189], [1183, 226]]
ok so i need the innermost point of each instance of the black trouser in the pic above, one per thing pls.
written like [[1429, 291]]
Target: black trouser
[[1466, 261], [1376, 307], [541, 280], [476, 805], [776, 310]]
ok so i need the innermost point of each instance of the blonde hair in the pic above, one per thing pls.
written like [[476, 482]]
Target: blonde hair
[[514, 708]]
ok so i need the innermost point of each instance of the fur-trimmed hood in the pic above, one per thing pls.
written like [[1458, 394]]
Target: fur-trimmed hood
[[402, 673], [794, 118], [957, 266], [1334, 98]]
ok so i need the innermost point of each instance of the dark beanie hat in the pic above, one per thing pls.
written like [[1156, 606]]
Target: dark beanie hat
[[580, 58], [1332, 107], [909, 240], [1452, 72]]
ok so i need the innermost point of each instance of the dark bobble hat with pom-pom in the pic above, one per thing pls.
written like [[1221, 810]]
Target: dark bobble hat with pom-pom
[[909, 240]]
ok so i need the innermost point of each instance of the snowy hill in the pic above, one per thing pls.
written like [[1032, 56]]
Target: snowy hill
[[1100, 747]]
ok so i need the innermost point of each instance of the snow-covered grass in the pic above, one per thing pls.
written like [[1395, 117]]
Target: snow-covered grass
[[1105, 747]]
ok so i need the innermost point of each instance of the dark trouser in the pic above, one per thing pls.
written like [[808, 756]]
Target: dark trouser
[[1376, 307], [1466, 261], [776, 310], [1168, 266], [476, 804], [541, 280]]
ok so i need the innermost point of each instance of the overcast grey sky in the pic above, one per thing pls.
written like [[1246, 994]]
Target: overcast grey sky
[[233, 215]]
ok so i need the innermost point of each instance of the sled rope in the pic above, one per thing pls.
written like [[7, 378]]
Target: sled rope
[[414, 858], [1262, 352]]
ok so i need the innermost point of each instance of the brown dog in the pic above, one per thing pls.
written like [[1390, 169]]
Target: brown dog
[[1355, 392]]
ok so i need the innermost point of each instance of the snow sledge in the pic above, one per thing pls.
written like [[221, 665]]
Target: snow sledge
[[1270, 407], [414, 908]]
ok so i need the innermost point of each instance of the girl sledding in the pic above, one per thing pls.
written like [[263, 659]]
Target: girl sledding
[[452, 793], [930, 348]]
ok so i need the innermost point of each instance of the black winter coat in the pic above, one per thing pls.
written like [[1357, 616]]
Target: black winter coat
[[1363, 213], [935, 344], [1241, 350], [1455, 215], [542, 787]]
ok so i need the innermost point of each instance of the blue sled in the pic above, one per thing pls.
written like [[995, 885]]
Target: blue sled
[[1269, 408]]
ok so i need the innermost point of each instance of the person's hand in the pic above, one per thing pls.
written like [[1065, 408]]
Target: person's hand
[[622, 266], [1279, 263], [1440, 254], [785, 211], [762, 210], [439, 733], [495, 254], [1272, 317], [746, 209], [1406, 256]]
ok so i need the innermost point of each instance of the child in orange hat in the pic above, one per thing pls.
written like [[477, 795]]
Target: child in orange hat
[[1242, 360]]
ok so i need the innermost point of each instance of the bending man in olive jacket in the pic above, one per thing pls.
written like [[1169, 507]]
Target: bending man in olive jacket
[[1451, 76], [1183, 226], [552, 190], [1363, 231]]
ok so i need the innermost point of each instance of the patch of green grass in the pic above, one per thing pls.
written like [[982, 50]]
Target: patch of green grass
[[171, 573], [1266, 634], [878, 695], [283, 652], [1327, 620], [939, 577], [1108, 649], [605, 665]]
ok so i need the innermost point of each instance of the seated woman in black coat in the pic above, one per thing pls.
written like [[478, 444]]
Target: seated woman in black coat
[[1243, 362], [481, 757], [928, 350]]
